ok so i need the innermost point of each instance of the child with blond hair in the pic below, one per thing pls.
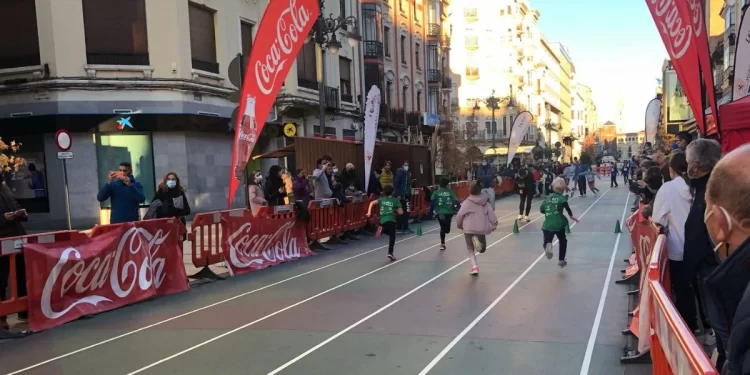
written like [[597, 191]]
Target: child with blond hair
[[554, 220]]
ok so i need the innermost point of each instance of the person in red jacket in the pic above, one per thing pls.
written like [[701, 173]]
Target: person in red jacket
[[537, 176]]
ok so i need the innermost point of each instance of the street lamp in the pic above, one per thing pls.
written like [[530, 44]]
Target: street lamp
[[323, 33], [493, 103]]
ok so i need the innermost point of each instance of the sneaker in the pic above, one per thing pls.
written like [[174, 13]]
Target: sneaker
[[378, 232], [474, 271], [442, 246], [562, 263], [526, 218], [548, 251], [520, 218], [478, 248], [391, 257]]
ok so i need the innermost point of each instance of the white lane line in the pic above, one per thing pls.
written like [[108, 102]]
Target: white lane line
[[378, 311], [602, 299], [115, 338], [197, 346], [494, 303]]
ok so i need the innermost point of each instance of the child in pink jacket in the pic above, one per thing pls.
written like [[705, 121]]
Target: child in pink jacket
[[477, 219]]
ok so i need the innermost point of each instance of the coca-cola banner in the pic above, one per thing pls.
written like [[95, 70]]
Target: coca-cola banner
[[643, 236], [676, 27], [123, 265], [251, 243], [281, 33]]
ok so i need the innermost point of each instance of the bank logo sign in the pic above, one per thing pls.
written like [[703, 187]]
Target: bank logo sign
[[124, 123]]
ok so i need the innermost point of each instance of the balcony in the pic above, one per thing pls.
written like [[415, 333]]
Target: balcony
[[433, 30], [433, 75], [412, 118], [373, 49], [445, 43], [332, 98], [308, 84], [470, 15], [447, 83], [347, 98], [471, 42], [472, 73], [398, 116]]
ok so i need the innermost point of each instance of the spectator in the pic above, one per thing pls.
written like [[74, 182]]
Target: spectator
[[172, 196], [340, 195], [301, 187], [321, 186], [402, 191], [349, 179], [124, 193], [486, 175], [10, 226], [727, 221], [255, 193], [386, 175], [374, 187], [275, 189], [286, 176], [698, 259], [683, 140], [36, 181]]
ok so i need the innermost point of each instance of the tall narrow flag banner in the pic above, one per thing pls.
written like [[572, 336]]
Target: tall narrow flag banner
[[281, 34], [693, 10], [518, 130], [372, 114], [675, 25], [653, 113], [742, 60]]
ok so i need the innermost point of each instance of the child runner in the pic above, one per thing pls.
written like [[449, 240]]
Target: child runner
[[389, 208], [442, 202], [592, 183], [554, 220], [477, 219]]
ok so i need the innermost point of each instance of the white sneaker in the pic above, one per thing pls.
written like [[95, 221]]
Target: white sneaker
[[520, 218], [548, 251], [526, 218]]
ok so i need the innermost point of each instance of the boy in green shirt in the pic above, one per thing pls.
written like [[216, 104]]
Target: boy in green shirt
[[442, 202], [554, 220], [389, 208]]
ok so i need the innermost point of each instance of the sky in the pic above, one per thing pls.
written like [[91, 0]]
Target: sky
[[616, 49]]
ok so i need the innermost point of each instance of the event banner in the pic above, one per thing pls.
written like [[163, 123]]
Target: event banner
[[517, 131], [742, 60], [676, 28], [120, 266], [251, 243], [653, 114], [372, 116], [281, 33], [693, 10]]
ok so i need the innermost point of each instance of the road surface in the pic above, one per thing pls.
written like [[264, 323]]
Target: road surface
[[350, 311]]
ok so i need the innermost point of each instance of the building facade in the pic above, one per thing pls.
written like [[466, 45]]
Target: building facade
[[150, 82], [630, 144]]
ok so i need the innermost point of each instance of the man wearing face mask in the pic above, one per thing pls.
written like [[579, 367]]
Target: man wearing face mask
[[402, 185], [727, 219], [698, 258], [486, 176], [321, 185]]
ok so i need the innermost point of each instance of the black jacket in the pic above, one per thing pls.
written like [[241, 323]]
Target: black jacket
[[698, 251], [168, 208], [8, 204], [271, 191], [738, 358], [526, 183]]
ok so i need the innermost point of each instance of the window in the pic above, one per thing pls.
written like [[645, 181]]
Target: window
[[330, 132], [505, 126], [306, 67], [349, 135], [29, 187], [401, 5], [387, 41], [405, 94], [419, 101], [246, 33], [345, 79], [432, 100], [432, 56], [388, 92], [538, 109], [202, 38], [472, 72], [115, 32], [416, 56], [572, 115], [342, 11], [19, 39], [403, 49], [136, 149], [490, 126], [417, 18]]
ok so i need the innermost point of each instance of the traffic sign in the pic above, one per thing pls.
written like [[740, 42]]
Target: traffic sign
[[64, 141], [64, 155]]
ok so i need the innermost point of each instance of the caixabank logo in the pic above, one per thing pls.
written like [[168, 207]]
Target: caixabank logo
[[124, 123]]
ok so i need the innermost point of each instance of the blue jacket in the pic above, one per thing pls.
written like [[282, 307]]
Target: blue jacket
[[582, 169], [125, 200], [485, 174], [400, 182]]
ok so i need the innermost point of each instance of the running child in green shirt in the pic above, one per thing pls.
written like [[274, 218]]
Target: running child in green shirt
[[390, 207], [554, 220], [443, 202]]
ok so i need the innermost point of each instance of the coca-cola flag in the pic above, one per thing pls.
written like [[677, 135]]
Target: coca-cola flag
[[693, 10], [122, 265], [251, 243], [281, 33], [675, 26]]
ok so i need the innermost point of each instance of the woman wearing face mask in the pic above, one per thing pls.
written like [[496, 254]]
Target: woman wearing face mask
[[172, 196], [275, 190], [255, 192], [301, 187]]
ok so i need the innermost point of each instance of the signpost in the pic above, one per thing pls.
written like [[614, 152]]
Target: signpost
[[64, 142]]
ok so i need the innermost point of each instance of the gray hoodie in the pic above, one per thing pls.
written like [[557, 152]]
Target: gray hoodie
[[321, 190]]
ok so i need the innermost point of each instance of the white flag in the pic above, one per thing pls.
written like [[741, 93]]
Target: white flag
[[517, 131], [653, 113], [372, 115], [741, 61]]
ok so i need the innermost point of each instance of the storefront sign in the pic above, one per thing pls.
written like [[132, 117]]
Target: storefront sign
[[124, 123], [122, 265], [290, 130]]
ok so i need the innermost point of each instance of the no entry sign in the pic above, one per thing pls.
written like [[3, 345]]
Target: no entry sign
[[63, 140]]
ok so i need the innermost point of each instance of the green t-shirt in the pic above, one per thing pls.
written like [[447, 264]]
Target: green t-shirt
[[444, 198], [552, 207], [388, 206]]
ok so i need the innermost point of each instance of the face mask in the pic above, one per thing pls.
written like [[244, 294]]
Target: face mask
[[729, 231], [335, 170], [691, 172], [258, 179], [171, 184], [280, 174], [406, 168]]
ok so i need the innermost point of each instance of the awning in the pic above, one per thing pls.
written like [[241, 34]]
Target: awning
[[504, 150]]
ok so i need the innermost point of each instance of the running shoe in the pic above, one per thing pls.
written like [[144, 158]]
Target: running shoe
[[474, 271], [562, 263], [520, 218], [391, 257], [378, 232], [442, 246], [526, 218], [477, 244], [548, 251]]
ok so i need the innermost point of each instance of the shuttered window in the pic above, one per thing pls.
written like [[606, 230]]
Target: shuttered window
[[307, 76], [246, 31], [115, 32], [203, 39], [19, 40]]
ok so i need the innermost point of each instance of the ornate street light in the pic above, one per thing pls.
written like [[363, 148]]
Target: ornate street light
[[493, 103]]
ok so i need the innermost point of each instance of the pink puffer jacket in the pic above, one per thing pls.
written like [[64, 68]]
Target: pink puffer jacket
[[476, 215]]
